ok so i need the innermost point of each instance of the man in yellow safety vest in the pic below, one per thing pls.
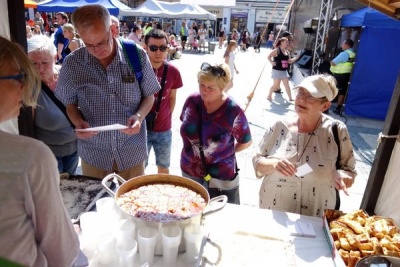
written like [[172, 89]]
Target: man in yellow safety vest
[[341, 67]]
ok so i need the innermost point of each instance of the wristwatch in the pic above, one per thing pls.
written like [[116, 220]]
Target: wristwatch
[[139, 116]]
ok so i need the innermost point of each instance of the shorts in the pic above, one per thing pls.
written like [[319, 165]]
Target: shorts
[[183, 38], [279, 74], [342, 82], [161, 144]]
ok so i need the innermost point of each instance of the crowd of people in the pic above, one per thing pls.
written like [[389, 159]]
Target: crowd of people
[[64, 88]]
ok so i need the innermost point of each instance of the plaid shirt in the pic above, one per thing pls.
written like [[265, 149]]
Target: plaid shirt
[[104, 98]]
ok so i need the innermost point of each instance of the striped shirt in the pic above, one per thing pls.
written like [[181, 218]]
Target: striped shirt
[[104, 98]]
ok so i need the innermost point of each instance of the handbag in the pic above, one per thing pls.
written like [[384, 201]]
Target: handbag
[[152, 115]]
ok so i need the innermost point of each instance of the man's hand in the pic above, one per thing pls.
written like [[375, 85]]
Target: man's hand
[[84, 135], [134, 123]]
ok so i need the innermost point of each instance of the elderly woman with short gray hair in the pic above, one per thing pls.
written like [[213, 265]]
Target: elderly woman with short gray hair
[[51, 124]]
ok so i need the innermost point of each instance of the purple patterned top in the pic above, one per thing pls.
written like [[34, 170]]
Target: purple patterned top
[[220, 129]]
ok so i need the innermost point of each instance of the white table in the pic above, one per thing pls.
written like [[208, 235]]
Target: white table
[[262, 226]]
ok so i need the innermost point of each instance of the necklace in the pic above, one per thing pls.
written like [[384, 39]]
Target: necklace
[[308, 141]]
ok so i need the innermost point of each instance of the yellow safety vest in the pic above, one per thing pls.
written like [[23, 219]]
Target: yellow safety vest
[[345, 67]]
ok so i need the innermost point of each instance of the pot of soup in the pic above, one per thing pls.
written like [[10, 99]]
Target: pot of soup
[[158, 200]]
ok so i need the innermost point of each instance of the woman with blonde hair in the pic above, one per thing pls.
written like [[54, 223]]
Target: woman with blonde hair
[[229, 57], [33, 215], [73, 41], [214, 128]]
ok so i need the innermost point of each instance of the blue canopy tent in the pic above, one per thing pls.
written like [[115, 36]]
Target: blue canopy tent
[[377, 63], [113, 6]]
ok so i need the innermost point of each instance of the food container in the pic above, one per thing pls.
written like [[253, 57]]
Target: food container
[[364, 236], [212, 205]]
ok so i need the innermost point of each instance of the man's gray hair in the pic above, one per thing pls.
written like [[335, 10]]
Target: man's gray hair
[[85, 16]]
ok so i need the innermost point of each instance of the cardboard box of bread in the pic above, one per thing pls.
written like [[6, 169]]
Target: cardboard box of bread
[[355, 235]]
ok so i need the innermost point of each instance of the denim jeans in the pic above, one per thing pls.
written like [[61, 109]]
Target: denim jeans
[[68, 163]]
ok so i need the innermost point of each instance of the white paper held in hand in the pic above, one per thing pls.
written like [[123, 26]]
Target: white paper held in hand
[[103, 128], [303, 170]]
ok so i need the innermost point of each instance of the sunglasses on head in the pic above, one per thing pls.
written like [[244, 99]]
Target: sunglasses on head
[[154, 48], [215, 70]]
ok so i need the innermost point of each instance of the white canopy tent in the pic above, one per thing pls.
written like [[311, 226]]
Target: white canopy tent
[[175, 10]]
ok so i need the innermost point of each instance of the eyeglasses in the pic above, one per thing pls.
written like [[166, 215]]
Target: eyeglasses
[[101, 45], [307, 97], [215, 70], [19, 78], [154, 48]]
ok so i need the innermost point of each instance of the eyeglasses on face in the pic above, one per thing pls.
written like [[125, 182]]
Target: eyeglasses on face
[[215, 70], [307, 97], [101, 45], [154, 48], [19, 77]]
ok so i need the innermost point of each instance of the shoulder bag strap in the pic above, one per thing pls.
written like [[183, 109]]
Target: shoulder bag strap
[[132, 54], [200, 126], [160, 93], [335, 132], [58, 103]]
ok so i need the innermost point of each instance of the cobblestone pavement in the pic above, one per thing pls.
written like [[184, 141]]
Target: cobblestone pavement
[[261, 114]]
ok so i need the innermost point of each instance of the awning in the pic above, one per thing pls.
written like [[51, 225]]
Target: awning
[[30, 4], [390, 8]]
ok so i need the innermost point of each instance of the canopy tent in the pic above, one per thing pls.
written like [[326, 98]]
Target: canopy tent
[[30, 4], [113, 6], [176, 10], [377, 63]]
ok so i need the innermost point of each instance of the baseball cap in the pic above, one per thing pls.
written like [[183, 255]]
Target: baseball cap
[[286, 33], [319, 86]]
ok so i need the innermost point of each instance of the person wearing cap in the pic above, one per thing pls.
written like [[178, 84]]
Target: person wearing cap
[[305, 140], [341, 68]]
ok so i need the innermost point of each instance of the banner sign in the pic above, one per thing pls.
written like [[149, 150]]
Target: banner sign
[[264, 15]]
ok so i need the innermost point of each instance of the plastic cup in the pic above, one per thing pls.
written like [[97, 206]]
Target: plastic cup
[[125, 228], [106, 251], [90, 231], [106, 205], [126, 251], [171, 238], [193, 235], [147, 239]]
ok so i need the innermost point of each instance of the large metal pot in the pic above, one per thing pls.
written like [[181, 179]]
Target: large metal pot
[[379, 261], [212, 205]]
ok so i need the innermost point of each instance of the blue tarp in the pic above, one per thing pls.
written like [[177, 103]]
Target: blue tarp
[[113, 6], [377, 63]]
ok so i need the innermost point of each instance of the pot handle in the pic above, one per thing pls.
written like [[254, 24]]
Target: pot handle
[[215, 204], [108, 178]]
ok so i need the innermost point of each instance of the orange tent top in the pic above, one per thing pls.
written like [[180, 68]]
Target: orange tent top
[[30, 4]]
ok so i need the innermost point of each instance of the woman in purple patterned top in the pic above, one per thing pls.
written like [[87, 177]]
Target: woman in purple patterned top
[[224, 131]]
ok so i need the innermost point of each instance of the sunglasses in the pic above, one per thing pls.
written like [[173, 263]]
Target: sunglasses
[[215, 70], [154, 48], [19, 78]]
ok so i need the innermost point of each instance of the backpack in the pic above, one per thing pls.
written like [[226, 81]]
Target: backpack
[[132, 54]]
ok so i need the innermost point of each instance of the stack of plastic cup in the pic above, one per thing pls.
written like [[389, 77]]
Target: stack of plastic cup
[[171, 238], [126, 250], [147, 239], [193, 235]]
